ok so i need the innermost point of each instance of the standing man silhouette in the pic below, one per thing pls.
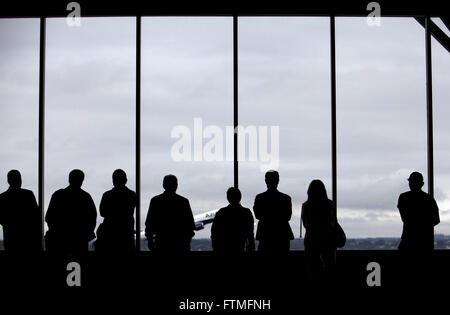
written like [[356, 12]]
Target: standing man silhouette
[[169, 226], [232, 228], [71, 218], [273, 209], [419, 213], [20, 217], [116, 233]]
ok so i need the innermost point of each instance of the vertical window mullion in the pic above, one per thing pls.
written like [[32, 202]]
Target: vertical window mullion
[[41, 135], [429, 87], [138, 133], [333, 110], [235, 100]]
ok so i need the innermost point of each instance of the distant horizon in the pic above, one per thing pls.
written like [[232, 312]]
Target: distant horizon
[[442, 242]]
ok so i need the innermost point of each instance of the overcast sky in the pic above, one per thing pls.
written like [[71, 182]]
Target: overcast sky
[[284, 81]]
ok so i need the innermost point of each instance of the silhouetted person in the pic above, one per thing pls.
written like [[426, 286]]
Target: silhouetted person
[[232, 228], [20, 217], [116, 233], [169, 226], [419, 213], [273, 209], [319, 219], [71, 218]]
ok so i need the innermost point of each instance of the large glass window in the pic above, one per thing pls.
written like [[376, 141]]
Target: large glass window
[[19, 108], [187, 111], [381, 121], [284, 96], [90, 103], [186, 105], [441, 95]]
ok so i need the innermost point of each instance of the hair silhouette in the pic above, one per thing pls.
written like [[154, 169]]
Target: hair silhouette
[[76, 178], [232, 228], [415, 181], [234, 195], [116, 233], [272, 179], [170, 183], [20, 217], [273, 209], [316, 191], [119, 178], [14, 179], [169, 226]]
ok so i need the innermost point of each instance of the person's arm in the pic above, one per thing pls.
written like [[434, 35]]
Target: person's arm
[[104, 205], [215, 230], [250, 234], [435, 213], [149, 223], [190, 220], [258, 208], [134, 205], [334, 220], [304, 217], [92, 218], [213, 233], [50, 215], [37, 219], [288, 208], [2, 202], [401, 207]]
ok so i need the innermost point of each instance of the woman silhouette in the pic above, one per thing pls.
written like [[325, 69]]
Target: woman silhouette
[[319, 219]]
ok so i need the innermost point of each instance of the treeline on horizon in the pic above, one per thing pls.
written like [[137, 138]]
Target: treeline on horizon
[[369, 243]]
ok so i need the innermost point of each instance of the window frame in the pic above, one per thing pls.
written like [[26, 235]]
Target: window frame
[[428, 25]]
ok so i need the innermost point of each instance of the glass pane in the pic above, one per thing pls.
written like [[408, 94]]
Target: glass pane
[[381, 123], [90, 103], [19, 102], [187, 98], [284, 95], [441, 114]]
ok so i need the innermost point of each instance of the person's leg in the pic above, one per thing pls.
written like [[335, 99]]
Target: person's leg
[[328, 256], [287, 245], [314, 265]]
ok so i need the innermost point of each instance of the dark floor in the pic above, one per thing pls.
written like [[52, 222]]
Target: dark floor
[[164, 283]]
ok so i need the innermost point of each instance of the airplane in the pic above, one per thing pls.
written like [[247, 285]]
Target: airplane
[[204, 218], [200, 220]]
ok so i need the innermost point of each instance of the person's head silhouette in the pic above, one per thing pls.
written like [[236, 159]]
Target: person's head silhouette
[[234, 196], [119, 178], [272, 179], [170, 183], [317, 191], [14, 179], [415, 181], [76, 178]]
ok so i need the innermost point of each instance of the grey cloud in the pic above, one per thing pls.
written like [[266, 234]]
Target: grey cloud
[[187, 73]]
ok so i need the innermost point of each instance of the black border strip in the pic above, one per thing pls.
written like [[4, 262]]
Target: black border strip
[[217, 8]]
